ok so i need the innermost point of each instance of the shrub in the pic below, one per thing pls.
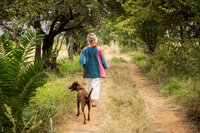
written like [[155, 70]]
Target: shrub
[[68, 67]]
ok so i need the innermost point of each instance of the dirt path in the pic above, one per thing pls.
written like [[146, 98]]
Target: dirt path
[[166, 117]]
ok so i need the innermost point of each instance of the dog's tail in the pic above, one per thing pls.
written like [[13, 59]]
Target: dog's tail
[[89, 93]]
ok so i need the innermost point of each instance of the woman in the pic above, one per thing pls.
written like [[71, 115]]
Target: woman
[[93, 61]]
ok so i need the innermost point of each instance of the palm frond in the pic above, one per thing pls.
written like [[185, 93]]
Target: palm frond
[[6, 45], [19, 74]]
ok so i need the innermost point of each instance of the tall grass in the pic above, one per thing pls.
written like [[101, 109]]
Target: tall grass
[[125, 111], [53, 100], [68, 67], [176, 69]]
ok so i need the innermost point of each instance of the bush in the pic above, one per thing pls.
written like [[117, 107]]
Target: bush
[[68, 67]]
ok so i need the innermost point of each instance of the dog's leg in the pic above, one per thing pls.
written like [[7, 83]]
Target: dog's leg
[[83, 113], [89, 106], [78, 105]]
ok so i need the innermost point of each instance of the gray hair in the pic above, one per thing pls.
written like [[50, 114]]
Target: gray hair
[[92, 38]]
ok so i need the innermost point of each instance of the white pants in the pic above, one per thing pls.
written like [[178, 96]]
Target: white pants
[[94, 83]]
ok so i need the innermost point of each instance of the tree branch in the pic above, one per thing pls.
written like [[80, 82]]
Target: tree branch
[[53, 25], [76, 26]]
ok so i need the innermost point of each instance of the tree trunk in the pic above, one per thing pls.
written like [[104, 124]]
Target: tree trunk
[[70, 48], [79, 48], [37, 26], [46, 49]]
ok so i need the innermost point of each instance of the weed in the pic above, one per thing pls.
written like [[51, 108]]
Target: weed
[[169, 88], [125, 50], [118, 60], [68, 67], [140, 60]]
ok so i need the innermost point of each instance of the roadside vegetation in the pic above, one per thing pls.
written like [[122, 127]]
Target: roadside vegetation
[[33, 99], [54, 101], [125, 111], [176, 70]]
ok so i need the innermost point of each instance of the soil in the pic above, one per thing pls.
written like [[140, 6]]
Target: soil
[[166, 117]]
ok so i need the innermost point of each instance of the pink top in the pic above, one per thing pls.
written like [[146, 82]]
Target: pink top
[[101, 68]]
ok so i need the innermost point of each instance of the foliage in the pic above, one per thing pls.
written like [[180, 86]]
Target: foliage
[[140, 60], [188, 97], [51, 102], [68, 67], [169, 88], [19, 77], [172, 55], [54, 100], [175, 67]]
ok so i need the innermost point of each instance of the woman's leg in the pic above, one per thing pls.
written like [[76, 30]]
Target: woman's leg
[[88, 84], [96, 84]]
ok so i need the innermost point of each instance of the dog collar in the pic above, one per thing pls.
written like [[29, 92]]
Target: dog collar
[[78, 88]]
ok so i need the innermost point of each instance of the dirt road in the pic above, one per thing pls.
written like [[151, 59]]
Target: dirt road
[[166, 117]]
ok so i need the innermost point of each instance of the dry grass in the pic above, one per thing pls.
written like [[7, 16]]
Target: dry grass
[[124, 111]]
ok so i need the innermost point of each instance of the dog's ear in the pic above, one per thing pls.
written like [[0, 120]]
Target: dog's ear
[[76, 82]]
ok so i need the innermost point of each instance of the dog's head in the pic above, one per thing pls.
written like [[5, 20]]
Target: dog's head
[[74, 86]]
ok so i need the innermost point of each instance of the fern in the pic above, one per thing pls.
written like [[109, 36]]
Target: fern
[[20, 75]]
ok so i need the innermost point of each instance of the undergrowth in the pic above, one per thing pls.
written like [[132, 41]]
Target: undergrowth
[[176, 69], [67, 67], [53, 100]]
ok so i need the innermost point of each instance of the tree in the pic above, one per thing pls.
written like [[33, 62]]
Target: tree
[[76, 15]]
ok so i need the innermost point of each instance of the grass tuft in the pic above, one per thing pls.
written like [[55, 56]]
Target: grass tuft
[[118, 60], [140, 60], [170, 88], [67, 67]]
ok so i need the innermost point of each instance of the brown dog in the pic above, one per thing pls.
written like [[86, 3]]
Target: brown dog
[[83, 97]]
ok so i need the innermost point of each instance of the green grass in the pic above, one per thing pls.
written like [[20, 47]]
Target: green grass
[[125, 49], [53, 100], [189, 98], [140, 60], [118, 60], [67, 67], [170, 88]]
